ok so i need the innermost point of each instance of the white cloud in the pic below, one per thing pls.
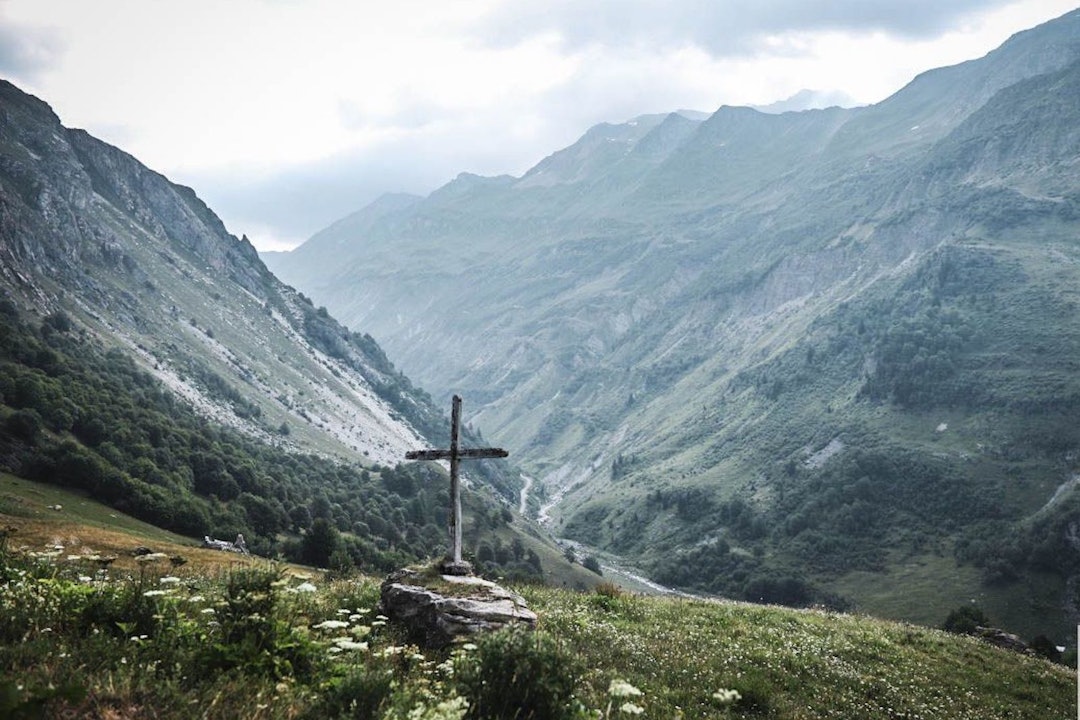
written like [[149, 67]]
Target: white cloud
[[723, 29]]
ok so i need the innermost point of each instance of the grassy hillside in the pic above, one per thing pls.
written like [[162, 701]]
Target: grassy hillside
[[259, 642]]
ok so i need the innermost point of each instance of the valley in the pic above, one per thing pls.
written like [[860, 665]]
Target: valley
[[150, 360], [791, 399], [723, 346]]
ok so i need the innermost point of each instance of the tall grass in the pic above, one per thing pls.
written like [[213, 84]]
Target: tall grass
[[80, 640]]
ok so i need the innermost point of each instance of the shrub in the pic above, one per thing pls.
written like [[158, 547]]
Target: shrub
[[362, 693], [516, 673], [607, 596], [25, 425], [964, 619], [252, 635]]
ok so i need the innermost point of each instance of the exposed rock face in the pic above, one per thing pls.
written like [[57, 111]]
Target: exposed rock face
[[1002, 639], [144, 263], [463, 605]]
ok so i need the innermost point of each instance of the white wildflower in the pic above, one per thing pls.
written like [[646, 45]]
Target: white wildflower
[[726, 697], [169, 580], [629, 708], [621, 688], [331, 625], [452, 709]]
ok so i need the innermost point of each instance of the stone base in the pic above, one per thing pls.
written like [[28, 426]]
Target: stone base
[[460, 568], [455, 606]]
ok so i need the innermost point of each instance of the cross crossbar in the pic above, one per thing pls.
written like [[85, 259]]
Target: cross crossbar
[[466, 454], [455, 454]]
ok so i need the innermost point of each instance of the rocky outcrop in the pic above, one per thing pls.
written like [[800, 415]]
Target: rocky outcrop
[[439, 609], [1002, 639]]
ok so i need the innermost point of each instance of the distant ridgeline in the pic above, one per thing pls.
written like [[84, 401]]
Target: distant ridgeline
[[822, 356], [78, 414]]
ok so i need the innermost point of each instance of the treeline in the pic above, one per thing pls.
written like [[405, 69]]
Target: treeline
[[916, 362], [80, 415], [821, 523], [730, 558], [710, 546]]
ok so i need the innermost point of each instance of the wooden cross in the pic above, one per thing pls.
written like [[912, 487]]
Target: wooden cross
[[454, 455]]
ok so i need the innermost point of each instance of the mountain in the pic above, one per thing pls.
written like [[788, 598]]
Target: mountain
[[807, 100], [152, 361], [820, 356], [90, 230]]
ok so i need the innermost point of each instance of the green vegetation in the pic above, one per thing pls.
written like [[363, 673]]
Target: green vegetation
[[965, 619], [77, 414], [909, 450], [260, 642], [727, 347]]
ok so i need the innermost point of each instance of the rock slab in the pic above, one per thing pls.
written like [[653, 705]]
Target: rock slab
[[457, 606]]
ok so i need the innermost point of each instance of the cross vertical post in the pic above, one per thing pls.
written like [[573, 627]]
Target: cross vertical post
[[455, 488], [455, 565]]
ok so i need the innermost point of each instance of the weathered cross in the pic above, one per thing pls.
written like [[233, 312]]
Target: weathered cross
[[454, 455]]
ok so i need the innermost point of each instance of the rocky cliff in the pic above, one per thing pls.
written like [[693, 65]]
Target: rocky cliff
[[143, 263]]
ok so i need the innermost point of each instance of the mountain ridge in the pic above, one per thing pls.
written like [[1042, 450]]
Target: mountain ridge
[[154, 209], [666, 345], [152, 361]]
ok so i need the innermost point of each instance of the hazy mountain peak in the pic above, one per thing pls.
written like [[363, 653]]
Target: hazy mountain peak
[[808, 100], [593, 153]]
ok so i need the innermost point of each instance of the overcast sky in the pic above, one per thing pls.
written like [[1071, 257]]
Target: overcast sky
[[286, 115]]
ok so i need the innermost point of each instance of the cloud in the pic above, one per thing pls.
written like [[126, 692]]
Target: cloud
[[286, 116], [25, 52], [723, 29], [288, 205]]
